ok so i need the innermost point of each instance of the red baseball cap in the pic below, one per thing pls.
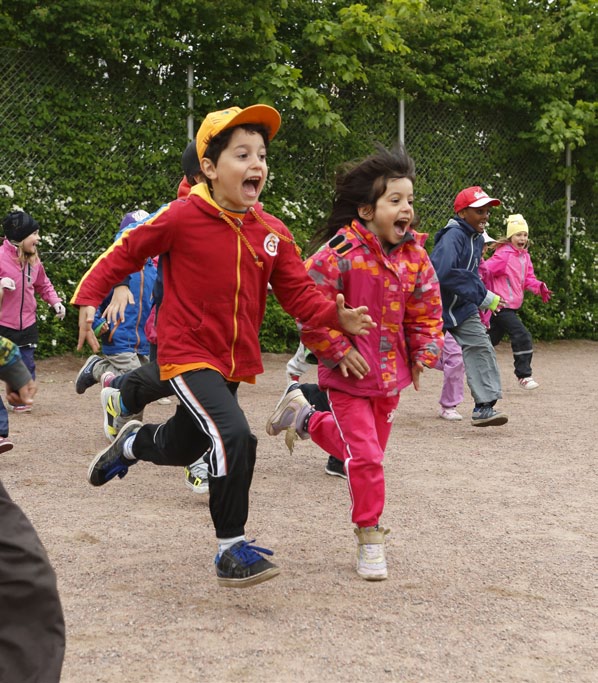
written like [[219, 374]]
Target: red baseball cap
[[474, 197]]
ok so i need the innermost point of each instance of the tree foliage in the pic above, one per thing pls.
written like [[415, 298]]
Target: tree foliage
[[530, 63]]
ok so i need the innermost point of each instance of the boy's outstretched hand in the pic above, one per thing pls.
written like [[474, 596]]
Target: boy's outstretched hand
[[86, 334], [355, 321], [23, 396]]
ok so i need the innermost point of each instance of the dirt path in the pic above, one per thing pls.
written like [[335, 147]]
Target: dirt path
[[492, 555]]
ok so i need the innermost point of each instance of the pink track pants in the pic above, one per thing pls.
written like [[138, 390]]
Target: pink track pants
[[356, 431]]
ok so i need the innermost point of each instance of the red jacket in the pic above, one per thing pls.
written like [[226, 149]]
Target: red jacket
[[403, 296], [215, 281]]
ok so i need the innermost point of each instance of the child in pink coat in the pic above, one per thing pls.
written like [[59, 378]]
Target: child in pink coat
[[509, 272], [371, 256], [22, 276]]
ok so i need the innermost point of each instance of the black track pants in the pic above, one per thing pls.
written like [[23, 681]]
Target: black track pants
[[508, 322], [208, 418]]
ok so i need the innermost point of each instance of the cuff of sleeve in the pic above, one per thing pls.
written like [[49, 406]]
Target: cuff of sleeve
[[489, 299], [16, 374]]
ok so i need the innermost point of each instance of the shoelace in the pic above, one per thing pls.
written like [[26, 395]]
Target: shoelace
[[249, 554], [373, 553]]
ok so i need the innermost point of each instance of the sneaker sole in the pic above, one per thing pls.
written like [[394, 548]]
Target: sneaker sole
[[104, 396], [491, 421], [6, 446], [250, 580], [332, 473], [373, 577]]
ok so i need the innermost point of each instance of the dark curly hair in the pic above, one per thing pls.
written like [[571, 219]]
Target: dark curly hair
[[362, 183]]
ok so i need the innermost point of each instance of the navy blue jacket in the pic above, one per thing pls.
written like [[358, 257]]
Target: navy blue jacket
[[456, 257]]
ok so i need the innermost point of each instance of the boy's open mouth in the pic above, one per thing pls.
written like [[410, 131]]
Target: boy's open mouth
[[252, 186]]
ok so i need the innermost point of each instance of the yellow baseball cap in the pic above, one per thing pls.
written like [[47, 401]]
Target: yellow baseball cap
[[217, 121]]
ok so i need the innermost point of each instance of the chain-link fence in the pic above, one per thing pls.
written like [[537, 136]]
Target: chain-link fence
[[50, 118]]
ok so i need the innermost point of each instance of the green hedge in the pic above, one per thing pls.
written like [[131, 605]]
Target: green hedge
[[78, 155]]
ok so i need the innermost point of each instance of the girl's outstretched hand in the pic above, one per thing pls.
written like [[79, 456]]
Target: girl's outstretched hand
[[355, 364], [416, 370], [86, 334], [353, 320], [545, 293]]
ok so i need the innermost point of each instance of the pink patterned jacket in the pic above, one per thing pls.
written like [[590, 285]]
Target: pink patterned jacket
[[402, 294]]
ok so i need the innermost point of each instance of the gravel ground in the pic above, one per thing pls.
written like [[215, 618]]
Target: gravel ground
[[492, 554]]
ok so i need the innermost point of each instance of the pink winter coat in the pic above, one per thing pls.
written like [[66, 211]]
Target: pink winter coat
[[19, 307], [402, 294], [509, 272]]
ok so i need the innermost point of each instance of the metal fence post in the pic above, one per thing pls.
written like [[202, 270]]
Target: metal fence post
[[402, 121], [190, 124], [568, 203]]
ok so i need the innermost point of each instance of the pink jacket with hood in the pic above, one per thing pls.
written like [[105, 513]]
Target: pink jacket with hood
[[402, 293], [509, 272], [19, 307]]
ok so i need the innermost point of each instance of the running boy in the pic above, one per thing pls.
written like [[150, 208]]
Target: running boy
[[456, 257], [124, 343], [220, 249]]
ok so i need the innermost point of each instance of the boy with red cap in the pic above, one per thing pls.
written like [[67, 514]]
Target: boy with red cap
[[456, 257], [220, 250]]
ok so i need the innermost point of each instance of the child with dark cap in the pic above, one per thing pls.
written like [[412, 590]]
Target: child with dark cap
[[22, 276], [456, 257], [221, 249]]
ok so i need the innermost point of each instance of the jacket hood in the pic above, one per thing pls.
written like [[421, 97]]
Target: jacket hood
[[453, 223]]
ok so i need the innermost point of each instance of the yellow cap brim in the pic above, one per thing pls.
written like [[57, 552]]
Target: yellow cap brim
[[260, 114]]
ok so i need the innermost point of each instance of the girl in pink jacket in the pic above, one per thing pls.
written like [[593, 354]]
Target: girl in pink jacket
[[509, 272], [22, 276], [373, 258]]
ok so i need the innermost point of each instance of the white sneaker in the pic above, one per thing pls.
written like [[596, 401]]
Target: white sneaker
[[528, 383], [196, 476], [449, 414], [290, 415], [371, 559]]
